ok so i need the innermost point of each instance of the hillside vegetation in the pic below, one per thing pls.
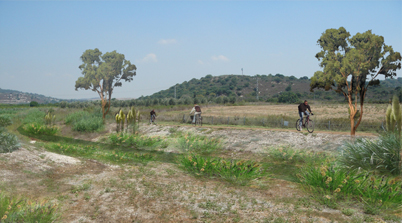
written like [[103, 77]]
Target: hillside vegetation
[[272, 88]]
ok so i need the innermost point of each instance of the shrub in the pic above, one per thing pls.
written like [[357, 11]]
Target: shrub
[[8, 142], [288, 97], [383, 155], [33, 104], [83, 121], [40, 129], [237, 172], [5, 120], [88, 124]]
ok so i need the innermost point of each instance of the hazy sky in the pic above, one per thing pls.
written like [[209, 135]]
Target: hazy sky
[[174, 41]]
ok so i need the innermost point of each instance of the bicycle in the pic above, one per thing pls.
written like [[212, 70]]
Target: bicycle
[[152, 120], [308, 123], [198, 120]]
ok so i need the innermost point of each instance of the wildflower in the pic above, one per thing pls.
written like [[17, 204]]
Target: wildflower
[[344, 181], [6, 212], [9, 207], [328, 197], [4, 217], [372, 178], [290, 158], [323, 173], [375, 187], [357, 181], [18, 206], [347, 178], [284, 154], [380, 201], [329, 179], [195, 163], [202, 169], [337, 190], [340, 185]]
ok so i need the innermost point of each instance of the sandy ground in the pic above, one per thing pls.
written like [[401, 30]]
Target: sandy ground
[[91, 191]]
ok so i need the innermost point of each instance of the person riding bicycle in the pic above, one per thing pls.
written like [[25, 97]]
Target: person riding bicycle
[[153, 116], [195, 111], [304, 108]]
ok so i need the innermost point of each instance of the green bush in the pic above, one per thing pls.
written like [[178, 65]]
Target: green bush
[[88, 124], [40, 129], [383, 154], [288, 97], [238, 172], [84, 121], [8, 142], [5, 120]]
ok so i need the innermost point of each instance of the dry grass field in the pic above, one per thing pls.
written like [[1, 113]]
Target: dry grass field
[[371, 111]]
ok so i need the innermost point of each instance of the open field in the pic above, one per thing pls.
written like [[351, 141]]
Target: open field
[[371, 111], [93, 179]]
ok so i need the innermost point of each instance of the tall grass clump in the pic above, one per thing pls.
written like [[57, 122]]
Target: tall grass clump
[[198, 144], [338, 183], [238, 172], [84, 121], [382, 155], [23, 210]]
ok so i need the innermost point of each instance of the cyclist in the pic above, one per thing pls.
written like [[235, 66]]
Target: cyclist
[[304, 108], [153, 116], [195, 111]]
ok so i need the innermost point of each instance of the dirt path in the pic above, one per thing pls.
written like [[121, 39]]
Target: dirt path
[[260, 140]]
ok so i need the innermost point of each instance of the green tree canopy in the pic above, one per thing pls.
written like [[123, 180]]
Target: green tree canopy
[[104, 72], [351, 65]]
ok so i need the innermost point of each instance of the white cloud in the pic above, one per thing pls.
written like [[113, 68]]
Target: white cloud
[[151, 57], [220, 58], [167, 41]]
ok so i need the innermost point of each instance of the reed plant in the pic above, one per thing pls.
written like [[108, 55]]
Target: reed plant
[[13, 209], [239, 172], [40, 129]]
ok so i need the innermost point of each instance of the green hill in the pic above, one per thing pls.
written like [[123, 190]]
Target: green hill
[[270, 88]]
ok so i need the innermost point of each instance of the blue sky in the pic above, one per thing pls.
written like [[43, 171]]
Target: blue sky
[[174, 41]]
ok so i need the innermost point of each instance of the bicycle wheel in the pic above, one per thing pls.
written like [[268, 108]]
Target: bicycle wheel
[[310, 126], [200, 121], [298, 125]]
